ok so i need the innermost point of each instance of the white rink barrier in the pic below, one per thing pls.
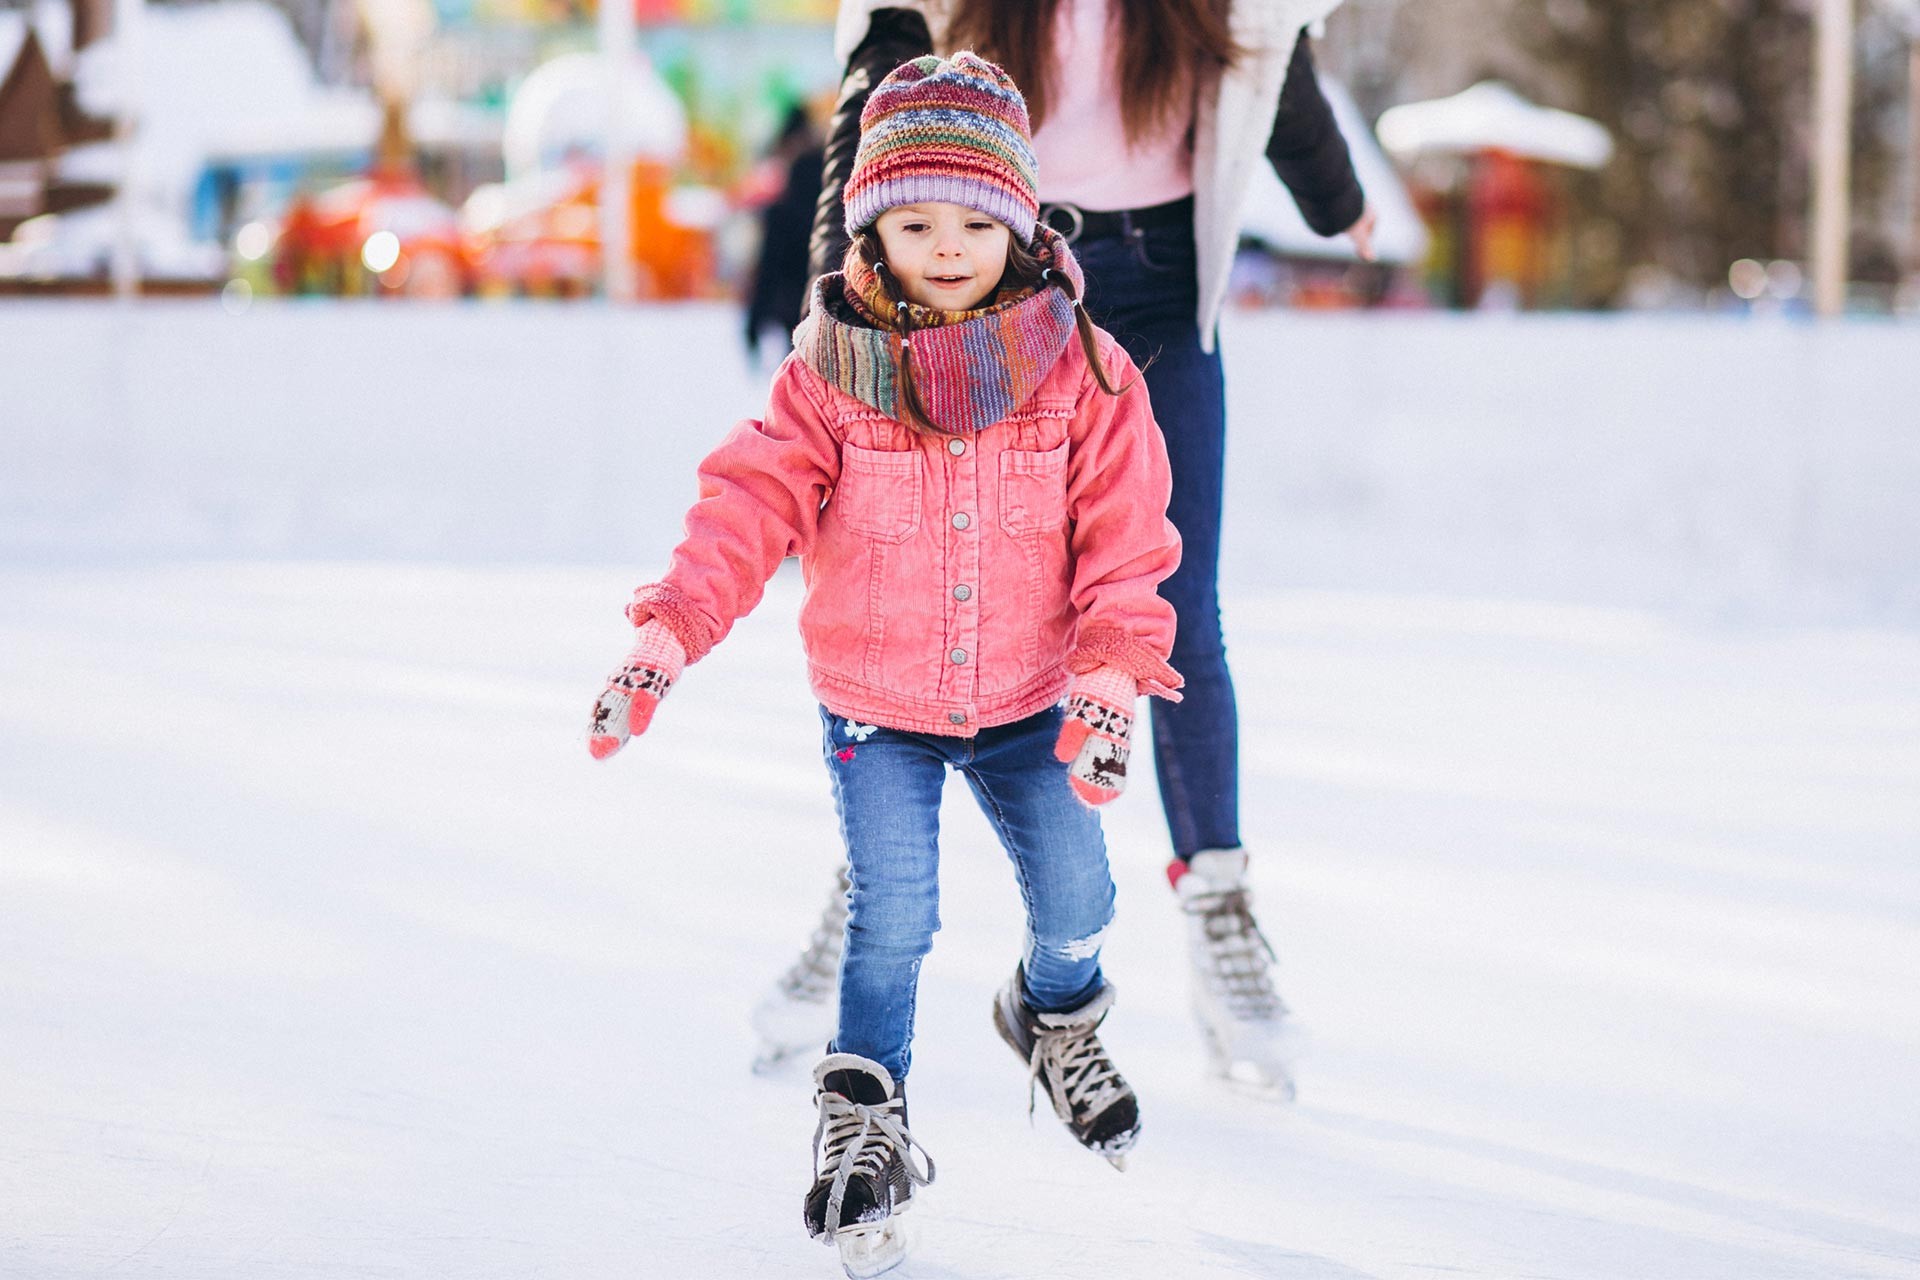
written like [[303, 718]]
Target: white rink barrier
[[1673, 461]]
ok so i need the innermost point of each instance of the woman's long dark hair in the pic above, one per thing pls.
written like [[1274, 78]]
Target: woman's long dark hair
[[1025, 270], [1164, 46]]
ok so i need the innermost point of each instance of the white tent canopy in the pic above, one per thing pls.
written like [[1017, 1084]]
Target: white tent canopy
[[563, 108], [13, 34], [1492, 115]]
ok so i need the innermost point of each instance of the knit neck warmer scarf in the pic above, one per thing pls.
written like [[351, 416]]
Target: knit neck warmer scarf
[[971, 368]]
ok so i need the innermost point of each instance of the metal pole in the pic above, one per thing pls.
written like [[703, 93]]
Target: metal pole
[[127, 38], [1913, 152], [618, 32], [1832, 131]]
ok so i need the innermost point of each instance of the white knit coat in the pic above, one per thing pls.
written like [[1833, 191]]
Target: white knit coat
[[1231, 123]]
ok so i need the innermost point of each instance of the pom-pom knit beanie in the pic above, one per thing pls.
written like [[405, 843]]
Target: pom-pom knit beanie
[[952, 130]]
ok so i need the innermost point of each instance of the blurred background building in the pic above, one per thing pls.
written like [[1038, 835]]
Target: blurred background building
[[1709, 105], [1565, 154]]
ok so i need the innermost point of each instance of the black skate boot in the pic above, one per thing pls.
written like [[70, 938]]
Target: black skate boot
[[1063, 1050], [863, 1169]]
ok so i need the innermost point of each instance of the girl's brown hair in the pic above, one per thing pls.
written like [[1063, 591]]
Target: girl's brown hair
[[1025, 270], [1165, 45]]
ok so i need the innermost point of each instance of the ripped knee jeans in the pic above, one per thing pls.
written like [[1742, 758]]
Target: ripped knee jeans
[[887, 785]]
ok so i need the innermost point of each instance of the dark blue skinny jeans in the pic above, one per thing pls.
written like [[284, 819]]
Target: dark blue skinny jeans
[[1143, 288], [887, 785]]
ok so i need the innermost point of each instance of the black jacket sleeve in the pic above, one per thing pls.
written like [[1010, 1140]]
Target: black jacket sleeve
[[893, 36], [1307, 151]]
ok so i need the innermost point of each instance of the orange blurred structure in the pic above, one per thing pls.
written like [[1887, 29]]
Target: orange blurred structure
[[382, 235], [1516, 229], [541, 238], [385, 236], [1490, 171]]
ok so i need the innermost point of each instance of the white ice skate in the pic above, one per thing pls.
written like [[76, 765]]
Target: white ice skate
[[796, 1017], [1251, 1042]]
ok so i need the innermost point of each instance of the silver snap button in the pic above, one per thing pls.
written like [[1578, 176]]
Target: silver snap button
[[963, 592], [957, 717], [961, 519], [956, 446], [959, 656]]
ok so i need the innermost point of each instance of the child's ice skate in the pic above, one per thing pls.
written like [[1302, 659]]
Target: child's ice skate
[[1063, 1051], [863, 1168], [1251, 1043], [797, 1014]]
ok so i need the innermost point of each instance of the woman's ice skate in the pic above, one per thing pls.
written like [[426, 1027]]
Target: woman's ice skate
[[1251, 1042], [863, 1167], [1063, 1052], [796, 1016]]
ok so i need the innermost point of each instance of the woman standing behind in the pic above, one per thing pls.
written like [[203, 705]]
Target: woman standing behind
[[1149, 117]]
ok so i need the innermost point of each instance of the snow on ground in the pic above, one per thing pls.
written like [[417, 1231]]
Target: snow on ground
[[326, 951], [1696, 463], [1581, 712]]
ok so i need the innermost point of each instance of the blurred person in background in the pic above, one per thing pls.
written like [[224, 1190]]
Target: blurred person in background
[[1149, 117], [778, 294]]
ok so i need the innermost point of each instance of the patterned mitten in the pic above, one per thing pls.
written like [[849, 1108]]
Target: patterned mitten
[[1098, 729], [626, 704]]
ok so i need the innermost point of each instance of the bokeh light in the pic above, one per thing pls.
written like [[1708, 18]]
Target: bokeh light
[[381, 251], [1784, 279], [1747, 278], [252, 241]]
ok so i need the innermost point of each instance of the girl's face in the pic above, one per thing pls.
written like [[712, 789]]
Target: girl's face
[[945, 256]]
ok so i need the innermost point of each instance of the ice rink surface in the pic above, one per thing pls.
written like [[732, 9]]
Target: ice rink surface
[[327, 952]]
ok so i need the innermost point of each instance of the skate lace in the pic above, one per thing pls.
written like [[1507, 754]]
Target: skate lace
[[811, 977], [1238, 954], [1079, 1078], [860, 1139]]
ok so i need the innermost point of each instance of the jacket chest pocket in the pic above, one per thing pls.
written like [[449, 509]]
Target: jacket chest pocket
[[879, 493], [1033, 490]]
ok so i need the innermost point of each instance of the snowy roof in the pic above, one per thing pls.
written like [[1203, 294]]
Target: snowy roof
[[13, 34], [1272, 216], [347, 121], [95, 162], [1490, 115], [200, 69]]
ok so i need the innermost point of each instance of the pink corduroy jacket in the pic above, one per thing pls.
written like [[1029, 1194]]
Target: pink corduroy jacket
[[953, 583]]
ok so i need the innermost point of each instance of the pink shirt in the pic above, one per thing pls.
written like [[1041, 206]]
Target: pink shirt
[[1082, 145]]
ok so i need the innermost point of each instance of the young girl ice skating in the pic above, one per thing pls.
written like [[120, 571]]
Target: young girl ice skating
[[977, 494]]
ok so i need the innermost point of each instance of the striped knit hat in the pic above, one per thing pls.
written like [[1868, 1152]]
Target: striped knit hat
[[954, 131]]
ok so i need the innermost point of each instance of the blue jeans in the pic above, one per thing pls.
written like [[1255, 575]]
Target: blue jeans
[[886, 787], [1143, 289]]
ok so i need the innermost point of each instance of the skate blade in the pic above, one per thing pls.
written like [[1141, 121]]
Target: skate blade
[[776, 1058], [1256, 1080], [872, 1248], [1267, 1081], [781, 1039]]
